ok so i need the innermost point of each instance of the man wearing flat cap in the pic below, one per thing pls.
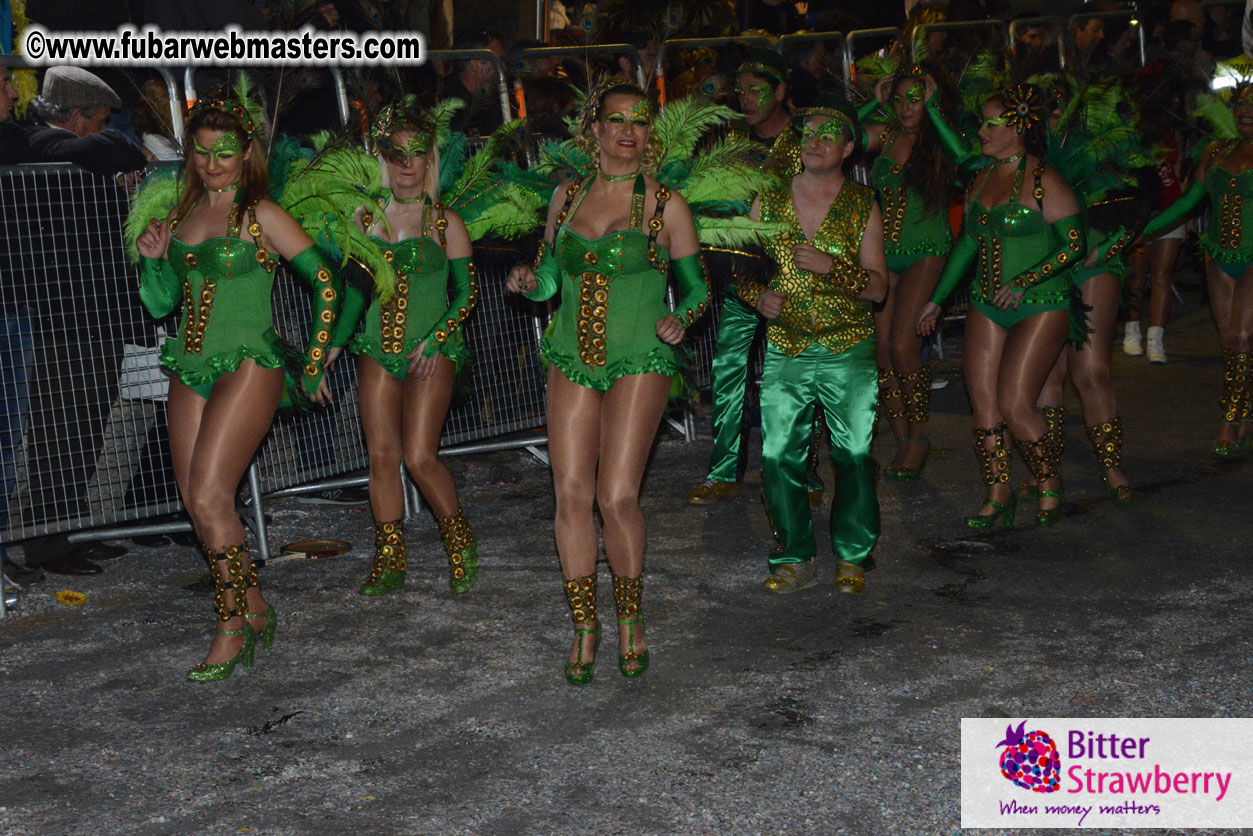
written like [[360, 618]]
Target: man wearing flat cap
[[829, 270], [73, 107]]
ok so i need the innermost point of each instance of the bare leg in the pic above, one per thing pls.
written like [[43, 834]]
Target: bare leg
[[1031, 350], [1137, 277], [573, 437], [912, 292], [981, 358], [381, 398], [1164, 252], [426, 407], [230, 427], [630, 413]]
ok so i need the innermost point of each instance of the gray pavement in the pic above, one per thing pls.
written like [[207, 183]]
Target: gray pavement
[[806, 714]]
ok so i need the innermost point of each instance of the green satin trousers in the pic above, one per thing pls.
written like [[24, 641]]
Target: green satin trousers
[[738, 327], [846, 387]]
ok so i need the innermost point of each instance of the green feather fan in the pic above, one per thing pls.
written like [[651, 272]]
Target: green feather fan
[[155, 200], [1216, 113]]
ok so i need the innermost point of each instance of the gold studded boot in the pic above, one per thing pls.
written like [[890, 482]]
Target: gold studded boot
[[1106, 441], [581, 596], [390, 563], [1041, 456], [463, 551], [916, 395], [1234, 400], [994, 456], [238, 582], [626, 596], [1055, 436], [892, 403]]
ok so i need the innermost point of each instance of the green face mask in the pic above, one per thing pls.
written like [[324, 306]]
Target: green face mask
[[914, 95], [831, 131], [761, 92], [639, 115], [994, 123], [419, 145], [225, 147]]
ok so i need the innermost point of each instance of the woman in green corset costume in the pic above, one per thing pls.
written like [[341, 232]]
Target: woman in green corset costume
[[912, 177], [1023, 228], [214, 254], [1225, 173], [610, 243], [410, 348]]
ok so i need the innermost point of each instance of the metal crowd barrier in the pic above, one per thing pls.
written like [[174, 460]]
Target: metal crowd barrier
[[884, 39], [791, 45], [671, 44]]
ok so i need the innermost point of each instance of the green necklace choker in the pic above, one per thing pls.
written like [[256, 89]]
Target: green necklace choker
[[230, 188], [617, 178], [1013, 158], [408, 200]]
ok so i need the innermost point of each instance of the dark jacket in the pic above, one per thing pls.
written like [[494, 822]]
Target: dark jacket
[[106, 153], [13, 145]]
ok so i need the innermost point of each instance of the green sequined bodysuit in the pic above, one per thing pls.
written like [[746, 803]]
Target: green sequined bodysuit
[[815, 309], [1231, 212], [909, 233], [227, 312], [394, 329]]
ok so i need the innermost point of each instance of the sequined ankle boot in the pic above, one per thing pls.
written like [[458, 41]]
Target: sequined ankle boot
[[1106, 441], [994, 456], [238, 582], [1041, 455], [390, 563], [463, 551]]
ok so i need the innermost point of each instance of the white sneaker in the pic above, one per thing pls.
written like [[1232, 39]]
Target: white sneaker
[[1154, 347], [1131, 340]]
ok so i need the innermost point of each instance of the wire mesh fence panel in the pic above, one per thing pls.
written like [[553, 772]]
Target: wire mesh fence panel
[[82, 422]]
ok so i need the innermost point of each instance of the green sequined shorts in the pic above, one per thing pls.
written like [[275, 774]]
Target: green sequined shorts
[[1054, 300], [898, 263]]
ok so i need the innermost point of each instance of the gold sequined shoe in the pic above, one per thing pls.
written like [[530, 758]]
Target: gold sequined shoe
[[791, 577], [463, 551], [231, 556], [581, 596], [1106, 439], [1040, 456], [711, 491], [850, 578], [390, 563], [626, 597], [1235, 400], [994, 457]]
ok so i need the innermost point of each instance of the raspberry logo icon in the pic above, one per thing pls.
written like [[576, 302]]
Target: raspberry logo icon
[[1030, 759]]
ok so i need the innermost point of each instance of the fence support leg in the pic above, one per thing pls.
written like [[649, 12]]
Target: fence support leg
[[258, 512]]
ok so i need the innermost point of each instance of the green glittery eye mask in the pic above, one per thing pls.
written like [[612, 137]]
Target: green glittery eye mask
[[832, 130], [225, 147], [995, 122], [640, 115], [763, 92], [419, 145], [914, 95]]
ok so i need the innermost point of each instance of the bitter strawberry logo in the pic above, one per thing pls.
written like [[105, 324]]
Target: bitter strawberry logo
[[1030, 759]]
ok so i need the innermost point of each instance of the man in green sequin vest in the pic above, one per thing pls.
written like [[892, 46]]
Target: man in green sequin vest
[[829, 270]]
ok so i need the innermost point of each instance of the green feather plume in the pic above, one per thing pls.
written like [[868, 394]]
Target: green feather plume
[[735, 232], [155, 199], [682, 124], [1218, 115]]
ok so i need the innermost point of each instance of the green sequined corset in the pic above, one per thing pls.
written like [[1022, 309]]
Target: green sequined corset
[[611, 300], [815, 310], [907, 228], [1012, 238], [227, 316], [394, 330], [1231, 204]]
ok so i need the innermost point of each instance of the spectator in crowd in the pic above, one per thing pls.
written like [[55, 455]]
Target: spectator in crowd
[[153, 122], [13, 146], [73, 107], [474, 82]]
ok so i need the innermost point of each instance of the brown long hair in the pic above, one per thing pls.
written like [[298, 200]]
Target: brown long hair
[[928, 170], [254, 183]]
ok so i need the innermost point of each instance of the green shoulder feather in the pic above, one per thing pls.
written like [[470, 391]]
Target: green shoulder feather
[[155, 200]]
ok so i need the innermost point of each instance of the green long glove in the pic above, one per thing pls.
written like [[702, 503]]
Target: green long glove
[[158, 286], [354, 305], [463, 301], [547, 274], [693, 281], [1072, 244], [959, 262], [1177, 212], [953, 143], [328, 293]]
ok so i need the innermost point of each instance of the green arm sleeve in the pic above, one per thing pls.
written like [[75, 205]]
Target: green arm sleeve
[[158, 286], [867, 110], [954, 144], [354, 305], [1175, 213], [689, 273], [465, 296], [547, 274], [1072, 244], [959, 262], [1112, 245], [328, 292]]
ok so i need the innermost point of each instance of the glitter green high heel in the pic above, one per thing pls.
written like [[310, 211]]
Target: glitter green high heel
[[626, 596], [239, 583], [581, 596], [463, 551]]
